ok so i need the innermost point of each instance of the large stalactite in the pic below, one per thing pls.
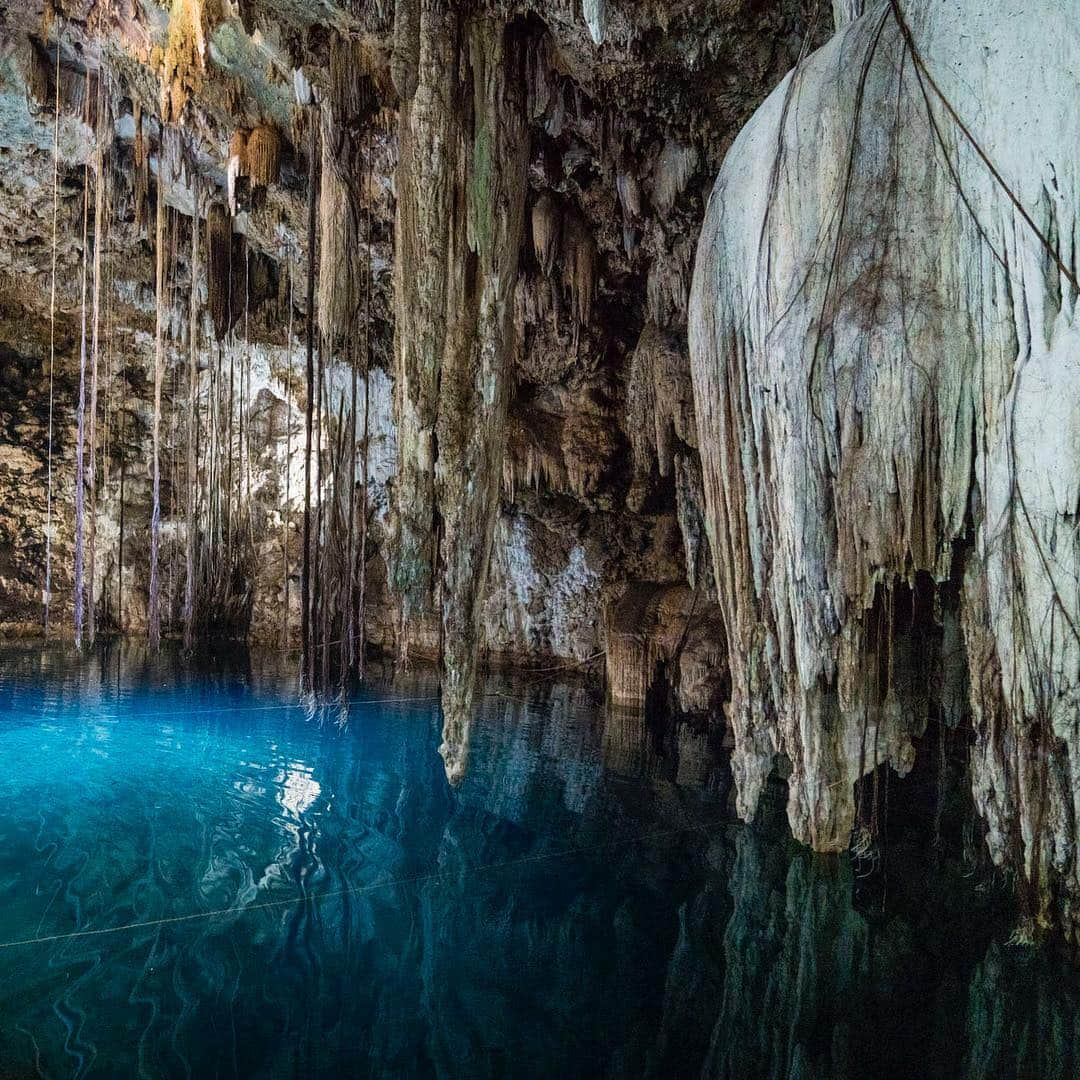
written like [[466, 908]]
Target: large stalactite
[[885, 358], [461, 191]]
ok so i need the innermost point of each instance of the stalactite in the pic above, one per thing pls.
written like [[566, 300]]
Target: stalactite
[[595, 15], [579, 257], [845, 11], [113, 376], [667, 288], [672, 172], [39, 72], [546, 226], [120, 531], [141, 184], [318, 607], [172, 290], [883, 331], [690, 513], [344, 187], [234, 169], [154, 598], [350, 554], [338, 244], [629, 189], [365, 480], [245, 388], [460, 226], [659, 401], [427, 171], [350, 107], [184, 60], [405, 61], [664, 634], [219, 268], [262, 156]]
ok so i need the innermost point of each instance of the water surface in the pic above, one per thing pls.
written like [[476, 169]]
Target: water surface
[[200, 879]]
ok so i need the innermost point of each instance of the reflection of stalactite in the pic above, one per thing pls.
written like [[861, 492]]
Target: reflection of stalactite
[[625, 744], [798, 964], [460, 223]]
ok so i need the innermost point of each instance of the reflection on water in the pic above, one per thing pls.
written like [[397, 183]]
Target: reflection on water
[[582, 905]]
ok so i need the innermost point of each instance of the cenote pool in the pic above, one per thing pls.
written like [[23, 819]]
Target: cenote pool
[[200, 879]]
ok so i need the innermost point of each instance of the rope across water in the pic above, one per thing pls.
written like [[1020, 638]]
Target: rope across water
[[416, 879]]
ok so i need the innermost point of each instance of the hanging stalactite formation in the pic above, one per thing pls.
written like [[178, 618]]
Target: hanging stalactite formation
[[460, 224]]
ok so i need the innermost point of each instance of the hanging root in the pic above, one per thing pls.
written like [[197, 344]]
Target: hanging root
[[46, 596], [154, 600]]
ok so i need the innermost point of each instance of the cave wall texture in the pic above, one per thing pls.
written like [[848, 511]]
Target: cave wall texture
[[432, 270], [886, 368]]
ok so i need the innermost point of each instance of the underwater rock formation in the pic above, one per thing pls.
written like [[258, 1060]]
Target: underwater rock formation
[[885, 360]]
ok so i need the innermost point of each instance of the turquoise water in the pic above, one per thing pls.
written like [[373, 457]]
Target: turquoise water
[[199, 879]]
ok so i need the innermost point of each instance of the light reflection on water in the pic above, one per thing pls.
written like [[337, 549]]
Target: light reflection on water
[[580, 906]]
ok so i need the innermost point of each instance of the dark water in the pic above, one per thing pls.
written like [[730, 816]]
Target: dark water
[[582, 905]]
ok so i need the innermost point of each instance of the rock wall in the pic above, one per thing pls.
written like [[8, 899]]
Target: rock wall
[[505, 204], [887, 379]]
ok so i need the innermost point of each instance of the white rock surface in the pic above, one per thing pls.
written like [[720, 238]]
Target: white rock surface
[[886, 359]]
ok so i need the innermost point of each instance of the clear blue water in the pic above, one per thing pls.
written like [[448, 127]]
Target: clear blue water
[[198, 879]]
